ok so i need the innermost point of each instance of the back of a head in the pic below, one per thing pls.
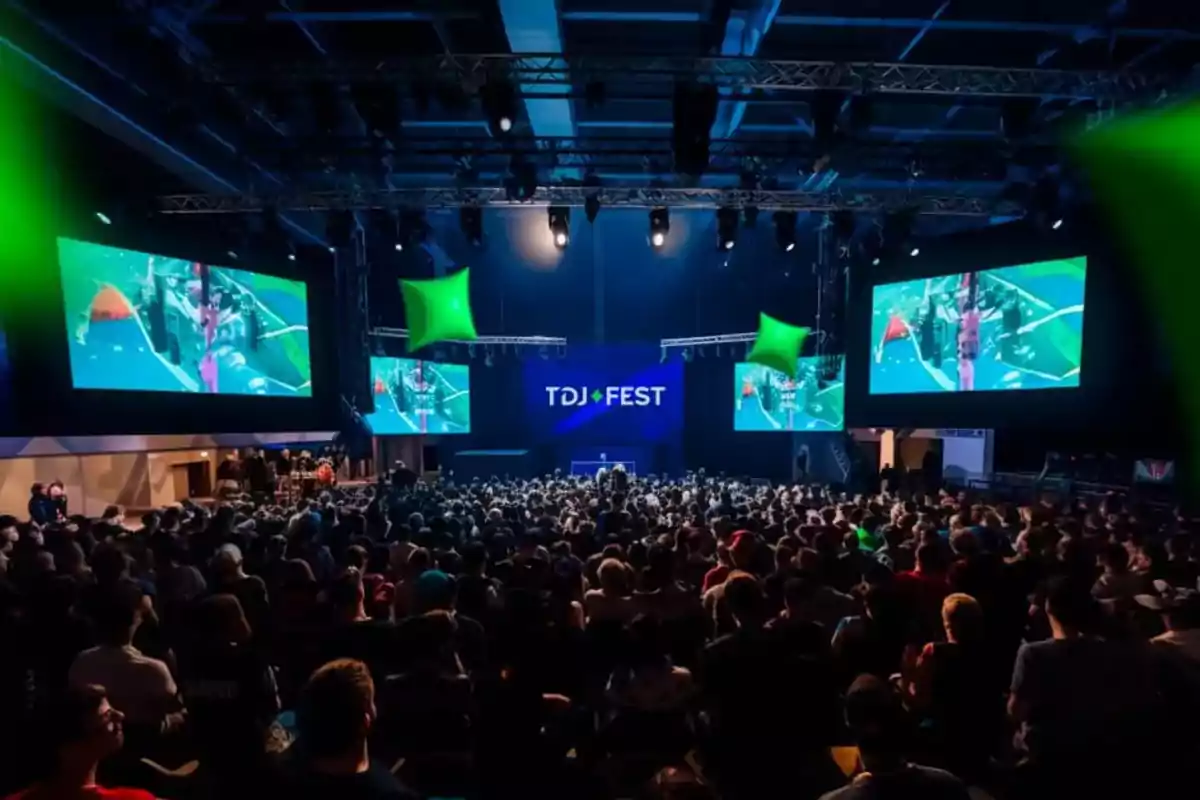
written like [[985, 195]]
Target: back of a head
[[335, 709], [1069, 601], [875, 715], [744, 596], [963, 617], [66, 718], [930, 558], [116, 612]]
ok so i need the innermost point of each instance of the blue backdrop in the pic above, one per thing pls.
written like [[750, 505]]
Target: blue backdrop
[[605, 396]]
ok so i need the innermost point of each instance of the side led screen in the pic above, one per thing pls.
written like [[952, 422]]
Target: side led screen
[[1004, 329], [150, 323], [419, 397], [767, 400]]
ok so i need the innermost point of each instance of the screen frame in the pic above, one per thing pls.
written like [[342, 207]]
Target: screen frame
[[1117, 372], [67, 322], [1083, 328], [735, 429], [470, 406], [40, 357]]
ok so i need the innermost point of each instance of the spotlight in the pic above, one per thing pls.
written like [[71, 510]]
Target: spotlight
[[103, 218], [591, 207], [875, 262], [560, 225], [694, 110], [727, 225], [333, 250], [785, 230], [1058, 223], [916, 251], [291, 256], [470, 219], [231, 254], [499, 104], [660, 226], [399, 247]]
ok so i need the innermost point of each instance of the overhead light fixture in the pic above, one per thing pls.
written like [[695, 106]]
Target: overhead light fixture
[[559, 218], [591, 207], [916, 251], [399, 247], [875, 262], [499, 100], [231, 254], [291, 257], [660, 226], [785, 230], [470, 220], [727, 225], [333, 249], [100, 215], [1058, 223]]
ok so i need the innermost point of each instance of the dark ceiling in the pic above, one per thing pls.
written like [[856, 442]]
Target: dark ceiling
[[228, 96]]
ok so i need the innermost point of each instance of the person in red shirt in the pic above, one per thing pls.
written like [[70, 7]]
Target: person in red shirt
[[742, 546], [82, 730], [925, 587]]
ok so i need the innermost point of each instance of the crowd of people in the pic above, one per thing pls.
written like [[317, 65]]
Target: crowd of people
[[603, 637]]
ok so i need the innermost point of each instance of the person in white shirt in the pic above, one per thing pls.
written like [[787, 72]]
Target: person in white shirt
[[140, 686]]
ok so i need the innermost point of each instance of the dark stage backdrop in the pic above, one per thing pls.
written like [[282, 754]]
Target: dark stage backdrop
[[609, 286]]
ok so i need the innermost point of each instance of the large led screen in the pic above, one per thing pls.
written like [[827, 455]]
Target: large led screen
[[419, 397], [767, 400], [151, 323], [608, 395], [1002, 329]]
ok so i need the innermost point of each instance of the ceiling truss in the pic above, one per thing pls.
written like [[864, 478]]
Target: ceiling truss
[[540, 74], [873, 202]]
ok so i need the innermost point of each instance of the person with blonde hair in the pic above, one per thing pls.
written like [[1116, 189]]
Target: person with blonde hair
[[956, 688]]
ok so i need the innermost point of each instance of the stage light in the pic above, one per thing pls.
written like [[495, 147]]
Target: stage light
[[785, 230], [916, 251], [103, 218], [1058, 223], [727, 225], [693, 112], [591, 207], [560, 225], [231, 254], [875, 262], [333, 250], [470, 220], [499, 104], [399, 247], [660, 226], [291, 256]]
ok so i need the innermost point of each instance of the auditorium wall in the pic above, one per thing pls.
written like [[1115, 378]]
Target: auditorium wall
[[93, 482]]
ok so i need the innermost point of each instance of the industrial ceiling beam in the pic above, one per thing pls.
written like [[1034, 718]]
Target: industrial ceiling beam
[[870, 202], [744, 74]]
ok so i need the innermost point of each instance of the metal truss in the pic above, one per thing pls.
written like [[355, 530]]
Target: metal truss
[[528, 341], [788, 200], [701, 341], [961, 158], [542, 75]]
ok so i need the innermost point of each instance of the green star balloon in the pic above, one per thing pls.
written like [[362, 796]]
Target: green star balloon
[[777, 345], [1145, 170], [438, 310]]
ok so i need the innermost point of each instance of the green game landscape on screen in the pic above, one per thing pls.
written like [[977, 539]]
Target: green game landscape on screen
[[767, 400], [419, 397], [150, 323], [1005, 329]]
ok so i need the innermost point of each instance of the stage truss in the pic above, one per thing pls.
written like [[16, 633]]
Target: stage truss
[[786, 200], [546, 75], [482, 341]]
